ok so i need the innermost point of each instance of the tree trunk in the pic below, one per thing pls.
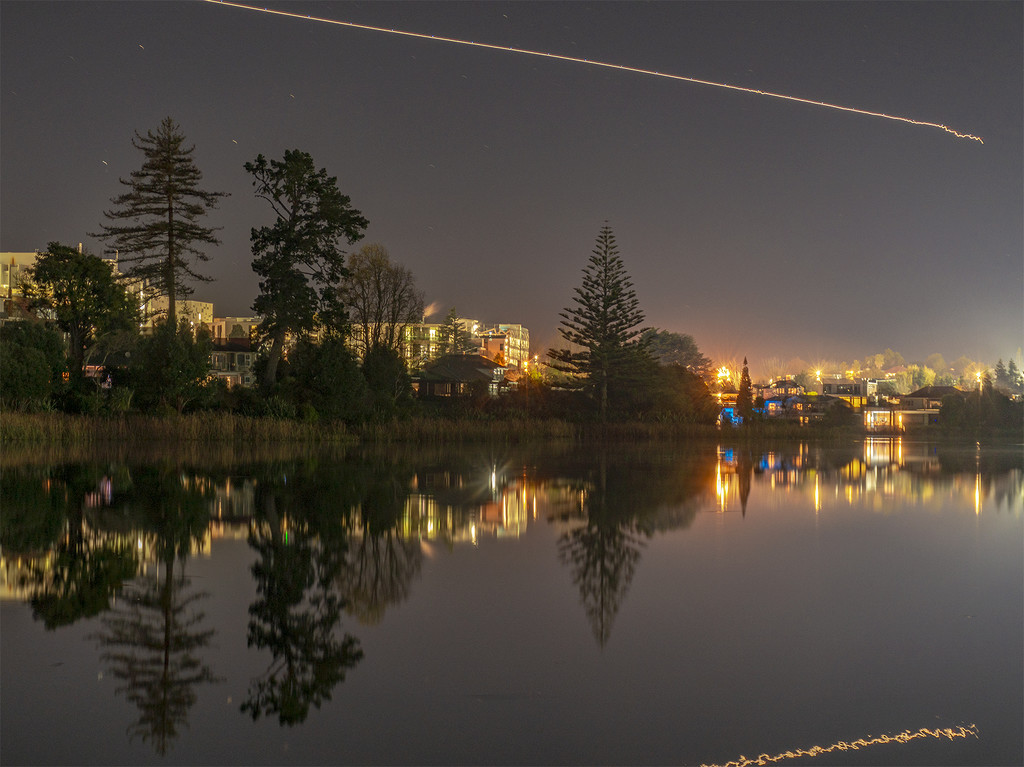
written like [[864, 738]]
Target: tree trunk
[[276, 349], [172, 316]]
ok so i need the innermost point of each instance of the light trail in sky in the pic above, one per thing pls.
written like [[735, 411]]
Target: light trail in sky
[[904, 737], [591, 62]]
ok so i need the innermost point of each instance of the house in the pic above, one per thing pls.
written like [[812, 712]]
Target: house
[[810, 408], [783, 389], [231, 359], [928, 397], [856, 392], [456, 375], [921, 408]]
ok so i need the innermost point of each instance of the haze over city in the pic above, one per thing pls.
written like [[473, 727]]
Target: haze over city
[[762, 227]]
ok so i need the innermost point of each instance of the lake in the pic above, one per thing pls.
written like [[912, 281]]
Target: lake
[[687, 604]]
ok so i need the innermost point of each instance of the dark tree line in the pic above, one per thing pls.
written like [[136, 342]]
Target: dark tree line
[[330, 336]]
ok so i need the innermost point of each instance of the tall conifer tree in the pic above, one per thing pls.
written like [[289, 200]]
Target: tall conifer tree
[[603, 324], [745, 397], [155, 226]]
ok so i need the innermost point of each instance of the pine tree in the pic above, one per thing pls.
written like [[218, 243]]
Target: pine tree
[[744, 399], [603, 324], [455, 339], [155, 225], [1015, 377]]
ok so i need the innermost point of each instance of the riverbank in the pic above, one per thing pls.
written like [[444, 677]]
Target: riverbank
[[50, 429]]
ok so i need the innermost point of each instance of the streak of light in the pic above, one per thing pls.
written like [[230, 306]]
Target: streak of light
[[904, 737], [606, 65]]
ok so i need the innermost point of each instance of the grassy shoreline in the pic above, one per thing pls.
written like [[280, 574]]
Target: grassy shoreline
[[25, 431], [62, 429]]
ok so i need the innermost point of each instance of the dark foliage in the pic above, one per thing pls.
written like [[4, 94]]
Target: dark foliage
[[298, 258], [156, 225]]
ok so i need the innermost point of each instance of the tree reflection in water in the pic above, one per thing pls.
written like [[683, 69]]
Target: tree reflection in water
[[603, 553], [75, 565], [301, 544], [152, 639], [625, 500], [382, 563]]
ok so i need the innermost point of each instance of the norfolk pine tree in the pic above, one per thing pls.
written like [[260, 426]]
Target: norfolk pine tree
[[603, 324], [298, 260], [155, 226]]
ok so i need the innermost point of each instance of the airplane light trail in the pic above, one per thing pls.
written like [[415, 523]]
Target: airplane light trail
[[620, 67], [904, 737]]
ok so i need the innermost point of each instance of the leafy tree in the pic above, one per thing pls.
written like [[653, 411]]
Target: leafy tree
[[744, 399], [156, 225], [937, 363], [982, 412], [963, 368], [681, 395], [603, 326], [386, 378], [33, 364], [670, 348], [297, 258], [172, 366], [326, 377], [83, 295], [381, 298], [921, 376], [455, 339]]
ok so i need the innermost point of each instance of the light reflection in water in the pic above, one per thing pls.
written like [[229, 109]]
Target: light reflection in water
[[904, 737]]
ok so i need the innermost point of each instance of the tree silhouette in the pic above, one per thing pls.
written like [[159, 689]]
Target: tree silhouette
[[297, 258], [745, 397], [156, 225], [602, 327], [84, 297]]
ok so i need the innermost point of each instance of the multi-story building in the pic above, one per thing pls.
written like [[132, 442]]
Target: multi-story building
[[504, 343], [233, 352], [198, 313], [856, 392], [12, 272]]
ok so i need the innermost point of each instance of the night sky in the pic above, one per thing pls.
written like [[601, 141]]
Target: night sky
[[762, 227]]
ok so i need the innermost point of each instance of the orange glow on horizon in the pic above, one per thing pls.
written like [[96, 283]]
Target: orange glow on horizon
[[620, 67]]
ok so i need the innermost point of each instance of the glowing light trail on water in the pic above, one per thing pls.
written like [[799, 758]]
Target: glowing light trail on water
[[591, 62], [904, 737]]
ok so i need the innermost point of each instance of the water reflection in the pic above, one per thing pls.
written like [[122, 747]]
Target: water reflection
[[334, 541], [872, 472], [384, 559], [151, 640], [299, 538], [80, 564]]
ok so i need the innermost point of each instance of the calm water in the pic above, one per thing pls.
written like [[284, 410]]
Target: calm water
[[659, 606]]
